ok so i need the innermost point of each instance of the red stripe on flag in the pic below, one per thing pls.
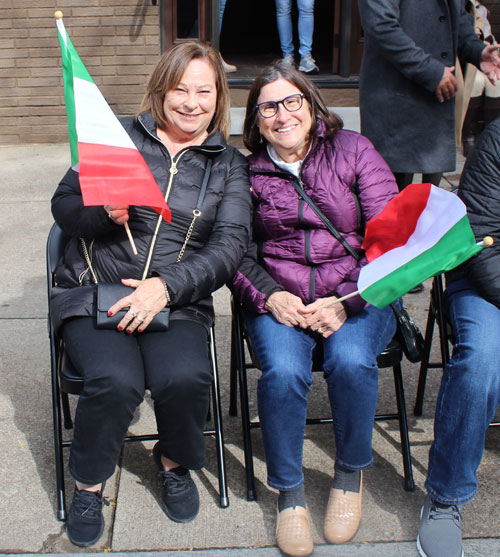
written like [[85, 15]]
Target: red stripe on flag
[[112, 175], [396, 223]]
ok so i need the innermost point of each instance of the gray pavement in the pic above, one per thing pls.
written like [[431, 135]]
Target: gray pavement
[[134, 521]]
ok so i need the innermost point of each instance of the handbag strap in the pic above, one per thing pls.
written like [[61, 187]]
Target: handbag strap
[[326, 221], [338, 236]]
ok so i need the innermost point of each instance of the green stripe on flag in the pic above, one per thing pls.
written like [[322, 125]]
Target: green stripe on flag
[[454, 247], [72, 67]]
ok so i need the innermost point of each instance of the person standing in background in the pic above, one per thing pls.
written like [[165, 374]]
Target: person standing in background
[[305, 28], [407, 82], [228, 68]]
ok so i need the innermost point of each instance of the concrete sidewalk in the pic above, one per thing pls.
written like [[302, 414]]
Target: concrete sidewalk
[[134, 521]]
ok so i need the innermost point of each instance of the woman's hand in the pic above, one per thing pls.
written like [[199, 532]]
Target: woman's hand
[[286, 308], [144, 303], [117, 213], [325, 320]]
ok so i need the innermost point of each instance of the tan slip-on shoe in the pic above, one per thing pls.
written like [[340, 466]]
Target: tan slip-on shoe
[[293, 532], [343, 514]]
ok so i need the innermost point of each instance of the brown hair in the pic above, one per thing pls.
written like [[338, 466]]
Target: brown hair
[[168, 73], [273, 72]]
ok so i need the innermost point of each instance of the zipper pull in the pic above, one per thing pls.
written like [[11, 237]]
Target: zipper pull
[[173, 168]]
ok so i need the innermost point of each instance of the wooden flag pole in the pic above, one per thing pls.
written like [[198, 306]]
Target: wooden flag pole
[[130, 239]]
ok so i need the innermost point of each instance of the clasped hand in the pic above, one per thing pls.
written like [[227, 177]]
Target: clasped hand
[[143, 304], [289, 310]]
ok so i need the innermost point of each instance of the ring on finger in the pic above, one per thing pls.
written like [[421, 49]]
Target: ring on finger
[[109, 214], [140, 319], [133, 314], [320, 330]]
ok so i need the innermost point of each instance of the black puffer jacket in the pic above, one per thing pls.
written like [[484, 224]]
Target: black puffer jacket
[[480, 191], [218, 242]]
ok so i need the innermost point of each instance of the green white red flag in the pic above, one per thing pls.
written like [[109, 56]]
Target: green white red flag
[[112, 170], [421, 232]]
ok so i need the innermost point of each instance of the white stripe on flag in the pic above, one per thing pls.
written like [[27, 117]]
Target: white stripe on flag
[[95, 121], [442, 212], [62, 30]]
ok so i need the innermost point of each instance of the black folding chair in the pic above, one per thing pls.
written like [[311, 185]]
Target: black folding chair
[[66, 380], [390, 357]]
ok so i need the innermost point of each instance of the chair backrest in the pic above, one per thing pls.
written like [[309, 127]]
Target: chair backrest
[[56, 242]]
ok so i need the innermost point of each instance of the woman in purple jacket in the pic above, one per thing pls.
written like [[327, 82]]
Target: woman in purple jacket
[[293, 269]]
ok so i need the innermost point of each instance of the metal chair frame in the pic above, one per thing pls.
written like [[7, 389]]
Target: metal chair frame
[[391, 357], [66, 380]]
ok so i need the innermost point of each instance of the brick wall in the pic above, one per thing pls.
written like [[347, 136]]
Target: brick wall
[[118, 41]]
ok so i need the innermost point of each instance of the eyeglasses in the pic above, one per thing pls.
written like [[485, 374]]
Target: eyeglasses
[[292, 103]]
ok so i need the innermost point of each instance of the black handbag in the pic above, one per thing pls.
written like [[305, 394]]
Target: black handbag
[[109, 293], [408, 334]]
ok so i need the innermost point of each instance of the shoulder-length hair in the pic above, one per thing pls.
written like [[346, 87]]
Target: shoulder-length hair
[[273, 72], [168, 73]]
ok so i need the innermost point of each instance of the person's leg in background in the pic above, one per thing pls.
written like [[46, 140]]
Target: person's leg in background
[[491, 102], [474, 117], [403, 179], [351, 372], [228, 68], [285, 30], [306, 29], [467, 401]]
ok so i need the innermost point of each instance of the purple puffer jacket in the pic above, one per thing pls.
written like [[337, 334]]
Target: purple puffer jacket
[[293, 250]]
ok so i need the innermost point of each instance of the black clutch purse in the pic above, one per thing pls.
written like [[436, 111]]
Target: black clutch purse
[[408, 334], [108, 294]]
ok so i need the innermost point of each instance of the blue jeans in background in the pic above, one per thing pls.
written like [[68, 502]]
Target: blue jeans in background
[[222, 7], [306, 25], [468, 397], [351, 373]]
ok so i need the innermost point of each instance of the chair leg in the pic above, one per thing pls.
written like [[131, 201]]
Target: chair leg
[[57, 426], [403, 428], [245, 414], [424, 364], [233, 373], [219, 432], [66, 412]]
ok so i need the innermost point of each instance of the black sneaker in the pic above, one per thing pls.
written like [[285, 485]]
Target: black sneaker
[[181, 501], [85, 523], [440, 533]]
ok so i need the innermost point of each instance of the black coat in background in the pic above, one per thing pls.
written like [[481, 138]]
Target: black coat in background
[[408, 43], [480, 191], [219, 240]]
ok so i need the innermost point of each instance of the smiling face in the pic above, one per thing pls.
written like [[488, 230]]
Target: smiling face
[[190, 107], [288, 132]]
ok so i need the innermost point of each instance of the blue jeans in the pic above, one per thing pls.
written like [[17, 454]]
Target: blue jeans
[[351, 373], [222, 7], [306, 25], [468, 397]]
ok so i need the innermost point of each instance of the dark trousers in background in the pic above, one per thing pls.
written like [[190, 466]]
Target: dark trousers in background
[[404, 179], [117, 368]]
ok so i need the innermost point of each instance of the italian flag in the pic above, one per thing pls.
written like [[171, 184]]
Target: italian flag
[[112, 170], [421, 232]]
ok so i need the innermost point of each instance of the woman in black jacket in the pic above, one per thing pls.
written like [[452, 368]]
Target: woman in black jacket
[[181, 126]]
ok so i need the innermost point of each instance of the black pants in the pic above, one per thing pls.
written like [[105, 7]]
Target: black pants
[[117, 368], [403, 179]]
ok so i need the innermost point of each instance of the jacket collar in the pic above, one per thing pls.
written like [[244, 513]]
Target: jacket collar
[[214, 143]]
